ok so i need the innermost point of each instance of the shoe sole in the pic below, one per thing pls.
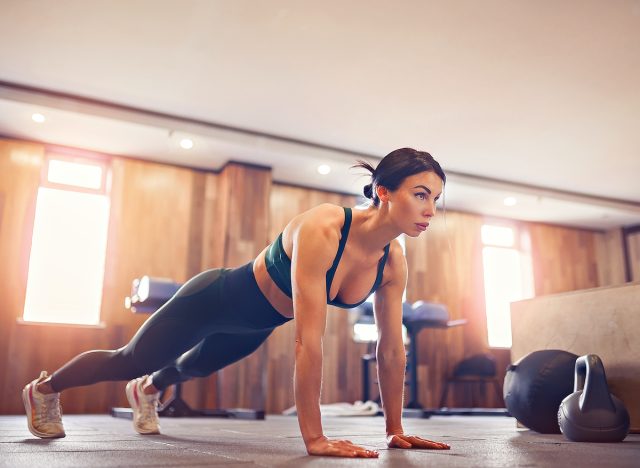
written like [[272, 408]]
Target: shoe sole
[[134, 406], [26, 400]]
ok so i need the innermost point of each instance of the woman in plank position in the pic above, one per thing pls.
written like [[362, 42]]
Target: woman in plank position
[[326, 255]]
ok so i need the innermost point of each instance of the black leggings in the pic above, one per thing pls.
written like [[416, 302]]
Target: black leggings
[[216, 318]]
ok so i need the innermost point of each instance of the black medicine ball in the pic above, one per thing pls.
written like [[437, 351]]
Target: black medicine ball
[[535, 386]]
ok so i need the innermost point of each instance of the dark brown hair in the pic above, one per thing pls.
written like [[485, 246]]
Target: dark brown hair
[[397, 166]]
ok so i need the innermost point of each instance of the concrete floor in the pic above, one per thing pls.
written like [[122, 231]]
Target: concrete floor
[[100, 440]]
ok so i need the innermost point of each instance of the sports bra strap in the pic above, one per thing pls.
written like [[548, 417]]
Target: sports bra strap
[[344, 232], [381, 265]]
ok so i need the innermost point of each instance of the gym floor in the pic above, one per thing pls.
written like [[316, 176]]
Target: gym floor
[[100, 440]]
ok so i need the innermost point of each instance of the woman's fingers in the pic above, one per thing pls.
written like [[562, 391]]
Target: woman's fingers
[[347, 448], [362, 452], [419, 442], [404, 441], [399, 442]]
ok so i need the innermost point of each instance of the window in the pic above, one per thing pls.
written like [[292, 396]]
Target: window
[[508, 277], [68, 249]]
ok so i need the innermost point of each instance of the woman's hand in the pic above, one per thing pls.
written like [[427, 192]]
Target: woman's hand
[[406, 442], [338, 448]]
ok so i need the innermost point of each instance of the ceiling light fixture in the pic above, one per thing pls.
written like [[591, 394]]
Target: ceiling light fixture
[[186, 143], [510, 201], [323, 169], [38, 118]]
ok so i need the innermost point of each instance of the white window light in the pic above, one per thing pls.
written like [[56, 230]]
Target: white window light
[[507, 278], [69, 241], [501, 236], [68, 253], [75, 174]]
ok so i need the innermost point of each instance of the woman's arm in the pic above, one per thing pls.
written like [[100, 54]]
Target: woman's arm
[[390, 352], [314, 247], [308, 269]]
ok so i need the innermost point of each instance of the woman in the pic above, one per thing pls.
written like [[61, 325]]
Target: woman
[[327, 255]]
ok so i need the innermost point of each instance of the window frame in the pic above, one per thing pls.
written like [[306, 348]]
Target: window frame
[[78, 157], [53, 152]]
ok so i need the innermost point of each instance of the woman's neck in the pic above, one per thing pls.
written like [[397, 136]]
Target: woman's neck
[[374, 228]]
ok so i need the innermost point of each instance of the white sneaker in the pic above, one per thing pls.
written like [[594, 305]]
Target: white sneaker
[[44, 414], [145, 407]]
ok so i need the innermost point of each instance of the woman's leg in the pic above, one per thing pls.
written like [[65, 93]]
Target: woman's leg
[[185, 320], [177, 326], [250, 319], [212, 354]]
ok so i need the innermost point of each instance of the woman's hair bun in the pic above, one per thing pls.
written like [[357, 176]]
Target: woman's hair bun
[[368, 191]]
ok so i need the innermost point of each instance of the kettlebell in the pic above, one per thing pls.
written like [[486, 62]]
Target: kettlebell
[[591, 413]]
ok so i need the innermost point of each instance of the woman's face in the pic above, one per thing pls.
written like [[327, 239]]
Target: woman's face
[[413, 203]]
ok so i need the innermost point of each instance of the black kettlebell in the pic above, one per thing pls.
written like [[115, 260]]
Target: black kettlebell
[[591, 413]]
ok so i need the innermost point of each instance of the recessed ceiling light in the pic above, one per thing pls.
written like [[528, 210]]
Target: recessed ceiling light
[[510, 201], [186, 143], [324, 169], [38, 118]]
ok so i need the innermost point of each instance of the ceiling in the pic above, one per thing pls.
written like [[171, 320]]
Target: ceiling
[[535, 100]]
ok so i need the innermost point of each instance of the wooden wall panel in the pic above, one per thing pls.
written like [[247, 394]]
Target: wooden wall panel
[[633, 242], [610, 257], [244, 197], [341, 365], [564, 259], [20, 166]]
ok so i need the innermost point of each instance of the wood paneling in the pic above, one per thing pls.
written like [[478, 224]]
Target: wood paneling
[[564, 259], [633, 243], [341, 364], [20, 166], [610, 257], [244, 215]]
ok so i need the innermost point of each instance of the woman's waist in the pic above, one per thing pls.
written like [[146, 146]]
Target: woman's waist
[[276, 297]]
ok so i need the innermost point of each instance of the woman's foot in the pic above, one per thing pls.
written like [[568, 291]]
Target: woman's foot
[[144, 406], [44, 414]]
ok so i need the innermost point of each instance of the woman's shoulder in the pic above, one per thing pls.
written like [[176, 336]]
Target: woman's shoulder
[[316, 233], [320, 224], [395, 271], [325, 216]]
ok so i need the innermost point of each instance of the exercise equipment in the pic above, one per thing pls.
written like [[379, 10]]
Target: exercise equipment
[[475, 371], [591, 413], [148, 294], [535, 386], [415, 318]]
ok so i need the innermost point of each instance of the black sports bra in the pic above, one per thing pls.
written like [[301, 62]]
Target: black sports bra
[[279, 265]]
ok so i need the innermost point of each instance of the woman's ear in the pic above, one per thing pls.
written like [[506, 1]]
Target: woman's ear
[[383, 193]]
